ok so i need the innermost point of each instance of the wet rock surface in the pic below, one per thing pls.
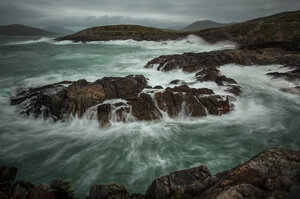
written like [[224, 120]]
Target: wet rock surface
[[122, 99], [273, 173], [192, 62], [206, 64]]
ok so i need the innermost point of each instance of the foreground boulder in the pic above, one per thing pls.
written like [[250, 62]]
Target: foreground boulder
[[21, 189], [118, 99], [274, 173]]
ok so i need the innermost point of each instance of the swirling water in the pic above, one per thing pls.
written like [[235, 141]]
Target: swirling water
[[134, 154]]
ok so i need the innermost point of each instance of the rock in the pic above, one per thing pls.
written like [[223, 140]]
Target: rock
[[59, 101], [193, 62], [118, 99], [175, 184], [293, 75], [143, 108], [41, 192], [274, 173], [176, 81], [21, 189], [109, 191], [137, 196], [7, 176], [158, 87], [193, 102], [62, 189], [103, 112], [206, 63]]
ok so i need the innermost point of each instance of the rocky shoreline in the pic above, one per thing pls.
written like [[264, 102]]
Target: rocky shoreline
[[125, 99], [273, 173]]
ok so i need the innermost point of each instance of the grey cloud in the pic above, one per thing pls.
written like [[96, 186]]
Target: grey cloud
[[161, 13]]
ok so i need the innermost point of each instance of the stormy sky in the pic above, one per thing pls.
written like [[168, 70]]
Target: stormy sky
[[78, 14]]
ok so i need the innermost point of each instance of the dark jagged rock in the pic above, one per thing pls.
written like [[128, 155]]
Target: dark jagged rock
[[59, 101], [62, 189], [7, 176], [41, 192], [174, 184], [293, 75], [274, 173], [109, 191], [21, 189], [195, 102], [193, 62], [208, 62], [119, 99]]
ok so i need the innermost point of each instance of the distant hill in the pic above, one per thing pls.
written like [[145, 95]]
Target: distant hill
[[17, 29], [124, 32], [59, 30], [200, 25], [279, 27]]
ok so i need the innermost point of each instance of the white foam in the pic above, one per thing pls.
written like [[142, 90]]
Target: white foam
[[41, 40]]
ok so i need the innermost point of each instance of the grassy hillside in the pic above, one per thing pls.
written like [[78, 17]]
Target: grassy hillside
[[128, 29], [17, 29], [124, 32], [280, 27]]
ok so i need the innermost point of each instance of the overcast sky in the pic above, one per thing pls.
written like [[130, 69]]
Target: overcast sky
[[77, 14]]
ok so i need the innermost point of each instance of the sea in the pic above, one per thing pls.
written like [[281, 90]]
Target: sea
[[133, 154]]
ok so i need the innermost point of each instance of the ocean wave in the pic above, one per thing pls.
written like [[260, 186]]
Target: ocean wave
[[27, 42]]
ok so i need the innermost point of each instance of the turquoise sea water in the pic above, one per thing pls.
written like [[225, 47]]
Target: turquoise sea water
[[134, 154]]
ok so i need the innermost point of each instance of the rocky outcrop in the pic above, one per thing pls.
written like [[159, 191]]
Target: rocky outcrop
[[119, 99], [192, 62], [207, 63], [274, 173]]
